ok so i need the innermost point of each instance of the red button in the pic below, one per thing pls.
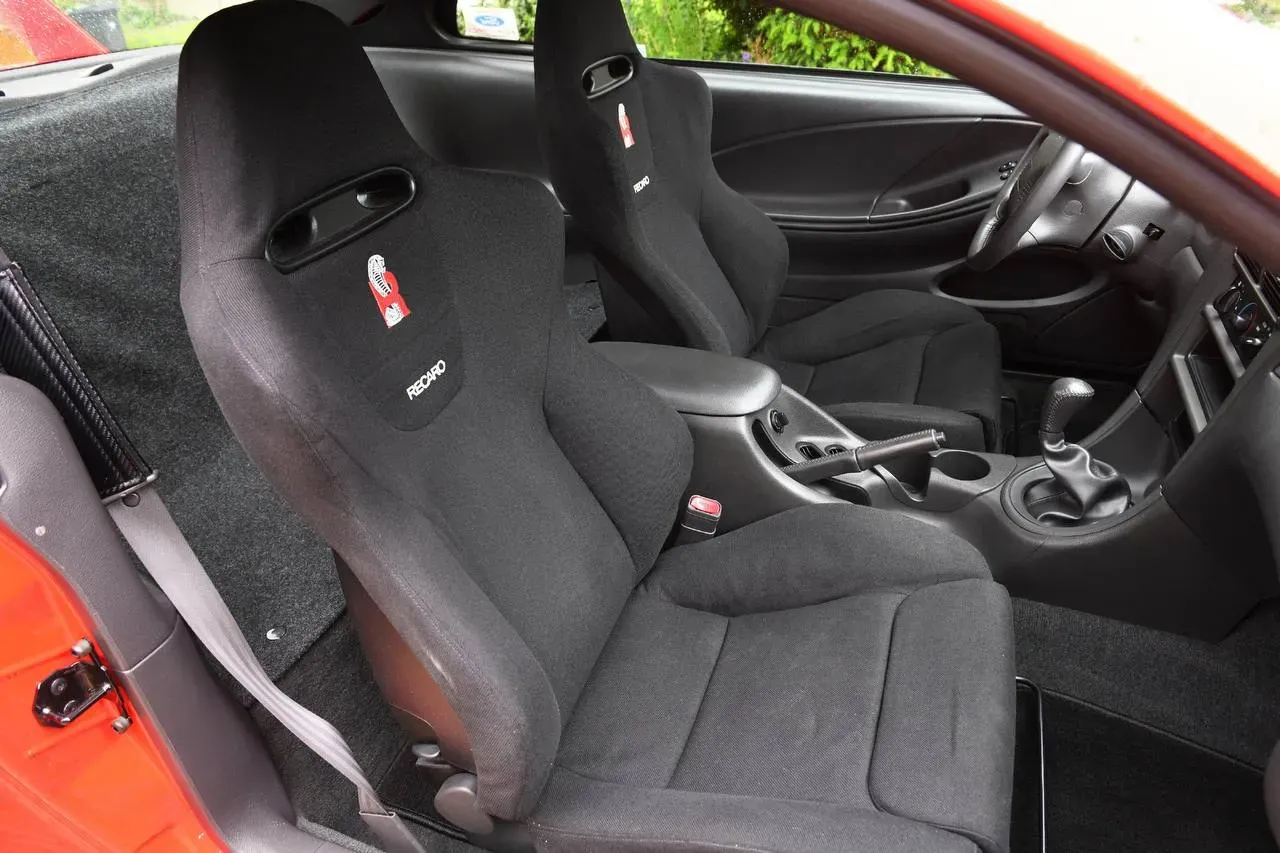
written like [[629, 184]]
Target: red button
[[707, 506]]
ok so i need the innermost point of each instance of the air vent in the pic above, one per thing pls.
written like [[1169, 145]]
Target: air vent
[[1270, 285], [100, 69]]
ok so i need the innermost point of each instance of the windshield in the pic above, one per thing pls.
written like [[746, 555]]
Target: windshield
[[1206, 66]]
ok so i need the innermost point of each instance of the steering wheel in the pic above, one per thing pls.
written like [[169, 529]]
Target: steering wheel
[[1039, 176]]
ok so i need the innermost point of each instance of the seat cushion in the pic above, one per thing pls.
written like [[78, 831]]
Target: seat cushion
[[894, 361], [831, 678]]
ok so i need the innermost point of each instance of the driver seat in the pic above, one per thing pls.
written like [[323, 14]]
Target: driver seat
[[689, 261]]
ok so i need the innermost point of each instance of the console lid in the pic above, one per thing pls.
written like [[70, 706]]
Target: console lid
[[697, 382]]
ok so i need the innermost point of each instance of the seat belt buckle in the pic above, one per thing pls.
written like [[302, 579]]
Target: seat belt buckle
[[700, 520]]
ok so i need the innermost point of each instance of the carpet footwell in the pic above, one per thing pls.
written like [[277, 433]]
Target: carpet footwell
[[1224, 696], [1118, 786]]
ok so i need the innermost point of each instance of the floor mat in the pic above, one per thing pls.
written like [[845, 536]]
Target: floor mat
[[1117, 786], [1224, 696]]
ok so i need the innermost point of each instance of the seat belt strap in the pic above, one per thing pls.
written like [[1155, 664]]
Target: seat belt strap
[[165, 553], [31, 349]]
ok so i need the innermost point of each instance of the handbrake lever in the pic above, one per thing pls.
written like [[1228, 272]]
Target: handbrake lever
[[866, 456]]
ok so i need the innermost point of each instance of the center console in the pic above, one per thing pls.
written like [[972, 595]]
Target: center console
[[1162, 517], [751, 434]]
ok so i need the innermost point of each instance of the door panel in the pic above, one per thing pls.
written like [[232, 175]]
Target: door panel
[[832, 175], [876, 180]]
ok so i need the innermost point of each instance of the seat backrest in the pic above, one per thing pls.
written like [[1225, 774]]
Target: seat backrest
[[416, 391], [633, 166]]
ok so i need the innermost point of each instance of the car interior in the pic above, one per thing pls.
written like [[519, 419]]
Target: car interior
[[634, 455]]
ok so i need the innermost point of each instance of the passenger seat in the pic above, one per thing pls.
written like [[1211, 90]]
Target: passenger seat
[[688, 261], [386, 336]]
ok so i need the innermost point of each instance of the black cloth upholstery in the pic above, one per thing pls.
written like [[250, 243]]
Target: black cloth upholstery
[[689, 261], [894, 361], [742, 668], [509, 518]]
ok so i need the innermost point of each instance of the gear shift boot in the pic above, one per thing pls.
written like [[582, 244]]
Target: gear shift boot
[[1083, 489]]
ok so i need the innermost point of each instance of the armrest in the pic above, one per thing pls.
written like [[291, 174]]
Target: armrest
[[697, 382]]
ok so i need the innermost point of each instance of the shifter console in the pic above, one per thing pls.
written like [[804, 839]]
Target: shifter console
[[1082, 489]]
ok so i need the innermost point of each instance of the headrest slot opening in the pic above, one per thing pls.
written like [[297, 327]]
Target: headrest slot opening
[[337, 216], [606, 75]]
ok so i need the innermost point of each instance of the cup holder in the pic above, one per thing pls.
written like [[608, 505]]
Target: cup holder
[[961, 465]]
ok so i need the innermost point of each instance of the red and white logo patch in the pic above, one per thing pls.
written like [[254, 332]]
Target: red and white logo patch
[[386, 291], [624, 126]]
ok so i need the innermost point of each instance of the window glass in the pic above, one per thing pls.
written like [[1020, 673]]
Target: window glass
[[36, 31], [714, 30]]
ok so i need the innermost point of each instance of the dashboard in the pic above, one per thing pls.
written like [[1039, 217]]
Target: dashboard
[[1239, 322], [1248, 311]]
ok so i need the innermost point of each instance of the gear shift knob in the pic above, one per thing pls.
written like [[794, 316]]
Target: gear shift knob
[[1082, 489], [1064, 398]]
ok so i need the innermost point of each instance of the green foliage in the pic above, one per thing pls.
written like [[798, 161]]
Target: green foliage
[[744, 31], [785, 38], [685, 29], [160, 34], [146, 16], [525, 10], [1263, 11]]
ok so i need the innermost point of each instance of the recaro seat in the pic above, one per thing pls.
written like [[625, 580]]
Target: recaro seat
[[691, 262], [829, 679]]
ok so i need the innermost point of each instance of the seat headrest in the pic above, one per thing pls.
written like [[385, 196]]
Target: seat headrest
[[571, 35], [276, 102]]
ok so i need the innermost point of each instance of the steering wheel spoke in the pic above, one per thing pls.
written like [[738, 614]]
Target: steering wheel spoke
[[1040, 175]]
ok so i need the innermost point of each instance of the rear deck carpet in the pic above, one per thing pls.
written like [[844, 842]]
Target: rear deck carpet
[[92, 217]]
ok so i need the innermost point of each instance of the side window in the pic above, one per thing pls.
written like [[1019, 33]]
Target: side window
[[750, 31], [38, 31]]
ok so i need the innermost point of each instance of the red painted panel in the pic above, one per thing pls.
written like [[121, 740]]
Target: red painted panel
[[84, 787]]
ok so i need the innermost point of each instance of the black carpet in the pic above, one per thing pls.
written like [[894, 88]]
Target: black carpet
[[334, 679], [1224, 696], [1121, 787]]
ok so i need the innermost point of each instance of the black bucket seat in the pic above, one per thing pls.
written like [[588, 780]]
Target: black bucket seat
[[498, 496], [689, 261]]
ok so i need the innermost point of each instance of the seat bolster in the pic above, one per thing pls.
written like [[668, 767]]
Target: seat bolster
[[885, 420], [582, 815], [944, 743], [809, 555], [864, 322]]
